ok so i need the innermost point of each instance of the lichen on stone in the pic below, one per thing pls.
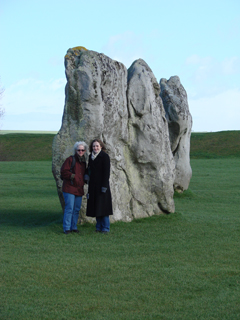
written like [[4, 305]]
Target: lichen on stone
[[75, 50]]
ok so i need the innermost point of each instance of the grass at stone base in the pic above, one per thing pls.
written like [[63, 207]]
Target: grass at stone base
[[178, 266]]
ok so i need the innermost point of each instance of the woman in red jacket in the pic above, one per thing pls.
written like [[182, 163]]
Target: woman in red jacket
[[72, 173]]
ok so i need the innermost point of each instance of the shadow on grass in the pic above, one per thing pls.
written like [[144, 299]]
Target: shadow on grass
[[35, 219], [52, 221], [29, 218]]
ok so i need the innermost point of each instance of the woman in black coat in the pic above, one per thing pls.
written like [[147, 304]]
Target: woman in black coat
[[99, 203]]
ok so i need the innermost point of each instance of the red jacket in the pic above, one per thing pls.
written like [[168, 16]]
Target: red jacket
[[74, 186]]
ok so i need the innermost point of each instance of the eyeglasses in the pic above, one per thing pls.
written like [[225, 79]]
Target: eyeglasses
[[81, 150]]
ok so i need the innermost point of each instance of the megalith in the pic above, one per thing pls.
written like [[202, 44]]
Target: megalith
[[124, 109], [95, 107], [175, 103], [151, 167]]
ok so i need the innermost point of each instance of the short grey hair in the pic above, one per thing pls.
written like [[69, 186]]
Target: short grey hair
[[79, 143]]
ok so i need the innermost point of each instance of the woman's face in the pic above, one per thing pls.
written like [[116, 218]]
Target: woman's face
[[80, 150], [96, 147]]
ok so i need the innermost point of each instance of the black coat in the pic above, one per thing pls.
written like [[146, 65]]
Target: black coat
[[99, 204]]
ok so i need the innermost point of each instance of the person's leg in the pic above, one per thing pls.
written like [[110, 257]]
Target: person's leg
[[76, 209], [68, 210], [105, 224], [98, 224]]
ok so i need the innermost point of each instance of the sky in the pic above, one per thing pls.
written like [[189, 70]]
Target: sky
[[199, 41]]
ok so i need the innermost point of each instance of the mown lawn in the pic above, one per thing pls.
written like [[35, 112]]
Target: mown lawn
[[179, 266]]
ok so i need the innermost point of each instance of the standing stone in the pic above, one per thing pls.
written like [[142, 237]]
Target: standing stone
[[150, 167], [175, 103], [124, 109], [95, 107]]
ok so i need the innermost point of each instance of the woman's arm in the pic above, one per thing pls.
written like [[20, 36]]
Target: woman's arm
[[106, 172], [65, 169]]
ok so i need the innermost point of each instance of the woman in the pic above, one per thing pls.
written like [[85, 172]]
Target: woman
[[72, 173], [99, 203]]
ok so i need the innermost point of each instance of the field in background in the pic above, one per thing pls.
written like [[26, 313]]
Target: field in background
[[27, 131], [26, 147], [215, 144], [38, 146], [179, 266]]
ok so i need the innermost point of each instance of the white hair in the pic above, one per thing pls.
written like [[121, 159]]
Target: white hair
[[79, 143]]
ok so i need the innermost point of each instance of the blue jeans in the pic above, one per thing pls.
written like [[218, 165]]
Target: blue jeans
[[71, 211], [103, 223]]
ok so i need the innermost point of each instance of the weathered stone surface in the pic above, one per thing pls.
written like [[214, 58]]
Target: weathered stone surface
[[95, 107], [123, 108], [175, 103], [151, 168]]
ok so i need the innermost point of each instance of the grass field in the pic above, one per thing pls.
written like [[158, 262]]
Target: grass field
[[38, 146], [26, 147], [215, 145], [179, 266]]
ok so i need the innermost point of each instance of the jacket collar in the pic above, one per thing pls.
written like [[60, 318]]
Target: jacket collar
[[99, 155]]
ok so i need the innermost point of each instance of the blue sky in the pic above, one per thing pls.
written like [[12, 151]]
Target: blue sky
[[198, 41]]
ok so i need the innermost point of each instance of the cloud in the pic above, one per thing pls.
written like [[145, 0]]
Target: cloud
[[55, 61], [230, 66], [202, 68], [34, 121], [209, 76], [126, 47], [205, 66], [31, 95], [216, 113], [32, 104], [230, 31]]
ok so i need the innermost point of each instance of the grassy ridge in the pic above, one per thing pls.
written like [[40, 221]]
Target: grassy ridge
[[30, 147], [26, 147], [215, 144]]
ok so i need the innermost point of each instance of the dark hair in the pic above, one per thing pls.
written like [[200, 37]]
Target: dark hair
[[100, 142]]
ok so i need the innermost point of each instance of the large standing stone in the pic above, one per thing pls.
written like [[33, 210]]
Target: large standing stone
[[95, 107], [151, 167], [125, 110], [175, 103]]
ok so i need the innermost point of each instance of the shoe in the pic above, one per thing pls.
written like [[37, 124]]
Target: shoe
[[97, 230], [67, 231], [105, 232], [76, 231]]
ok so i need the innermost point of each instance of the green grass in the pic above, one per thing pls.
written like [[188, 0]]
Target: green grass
[[25, 146], [215, 144], [38, 146], [178, 266], [27, 131]]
